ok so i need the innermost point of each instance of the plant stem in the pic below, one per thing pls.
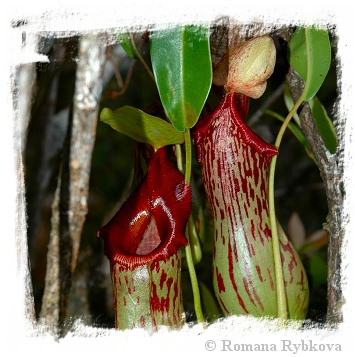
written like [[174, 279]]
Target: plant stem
[[280, 286], [194, 284], [141, 60], [126, 83], [189, 260], [178, 155], [296, 131], [188, 156]]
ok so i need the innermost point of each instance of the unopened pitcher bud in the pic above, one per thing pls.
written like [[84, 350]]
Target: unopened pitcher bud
[[249, 66]]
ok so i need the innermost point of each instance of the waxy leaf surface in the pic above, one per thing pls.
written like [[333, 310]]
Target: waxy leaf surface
[[142, 127], [322, 120], [324, 124], [182, 68], [310, 56]]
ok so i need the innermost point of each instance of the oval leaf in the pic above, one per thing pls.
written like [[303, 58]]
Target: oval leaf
[[296, 230], [318, 269], [127, 43], [182, 68], [310, 56], [324, 124], [209, 302], [142, 127]]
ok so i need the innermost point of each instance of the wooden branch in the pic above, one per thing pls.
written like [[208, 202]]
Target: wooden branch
[[22, 96], [331, 172], [88, 88], [50, 301], [69, 208]]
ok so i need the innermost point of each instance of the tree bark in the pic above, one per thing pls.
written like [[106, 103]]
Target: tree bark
[[50, 301], [331, 172], [22, 97], [92, 55], [70, 205]]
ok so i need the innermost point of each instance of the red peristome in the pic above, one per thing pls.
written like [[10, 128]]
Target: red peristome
[[248, 136], [150, 226], [241, 102]]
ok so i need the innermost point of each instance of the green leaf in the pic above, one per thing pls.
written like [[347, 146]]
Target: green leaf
[[318, 269], [321, 118], [142, 127], [182, 68], [126, 41], [324, 124], [209, 303], [310, 56]]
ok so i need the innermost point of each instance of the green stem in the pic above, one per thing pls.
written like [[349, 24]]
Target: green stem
[[189, 259], [280, 286], [141, 60], [178, 155], [194, 284], [296, 131], [188, 156]]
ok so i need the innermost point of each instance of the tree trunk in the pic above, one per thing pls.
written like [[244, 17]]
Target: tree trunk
[[331, 172], [69, 208]]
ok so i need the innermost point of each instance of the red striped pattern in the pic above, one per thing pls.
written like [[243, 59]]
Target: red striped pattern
[[148, 296], [234, 162], [142, 242]]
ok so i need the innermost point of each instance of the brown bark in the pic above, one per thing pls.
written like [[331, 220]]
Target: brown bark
[[50, 301], [24, 79], [331, 172], [69, 208], [87, 96]]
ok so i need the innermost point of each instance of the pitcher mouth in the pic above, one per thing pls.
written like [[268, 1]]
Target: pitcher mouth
[[238, 114], [150, 226]]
